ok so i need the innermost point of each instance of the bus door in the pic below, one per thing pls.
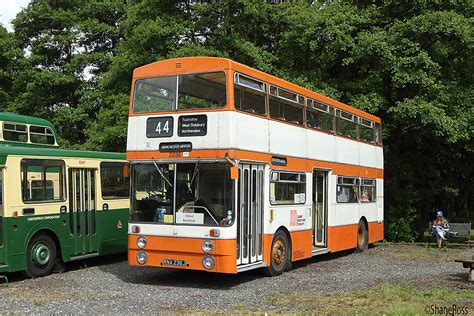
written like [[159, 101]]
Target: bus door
[[250, 214], [82, 210], [320, 207]]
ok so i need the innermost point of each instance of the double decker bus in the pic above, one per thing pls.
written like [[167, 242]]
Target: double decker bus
[[57, 205], [233, 169]]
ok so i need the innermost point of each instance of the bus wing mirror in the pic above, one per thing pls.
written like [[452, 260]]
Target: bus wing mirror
[[234, 173]]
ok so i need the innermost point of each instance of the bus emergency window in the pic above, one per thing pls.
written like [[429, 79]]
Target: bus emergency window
[[201, 91], [287, 188], [114, 179], [366, 130], [286, 106], [346, 124], [41, 135], [347, 190], [378, 134], [250, 95], [42, 180], [15, 132], [154, 94], [368, 190], [320, 116]]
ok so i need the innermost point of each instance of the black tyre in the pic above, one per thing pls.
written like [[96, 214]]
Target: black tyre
[[362, 237], [40, 256], [279, 255]]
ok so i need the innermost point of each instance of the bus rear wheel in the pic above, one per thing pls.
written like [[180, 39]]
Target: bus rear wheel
[[279, 255], [40, 256], [362, 237]]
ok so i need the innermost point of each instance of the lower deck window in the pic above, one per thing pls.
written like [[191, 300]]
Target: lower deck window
[[347, 190], [287, 188], [42, 180], [367, 190]]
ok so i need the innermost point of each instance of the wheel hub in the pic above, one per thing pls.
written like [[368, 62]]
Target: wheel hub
[[40, 254], [278, 253], [360, 236]]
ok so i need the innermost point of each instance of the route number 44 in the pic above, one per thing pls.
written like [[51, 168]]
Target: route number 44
[[166, 127], [159, 127]]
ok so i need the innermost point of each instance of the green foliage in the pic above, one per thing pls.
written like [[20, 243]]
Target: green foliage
[[408, 62]]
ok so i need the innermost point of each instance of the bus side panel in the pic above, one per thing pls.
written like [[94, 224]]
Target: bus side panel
[[112, 230], [342, 237], [21, 230], [301, 244], [376, 232]]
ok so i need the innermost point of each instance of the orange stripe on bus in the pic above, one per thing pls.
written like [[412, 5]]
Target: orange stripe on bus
[[294, 164]]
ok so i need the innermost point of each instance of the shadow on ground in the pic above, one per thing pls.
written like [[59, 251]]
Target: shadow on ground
[[200, 279]]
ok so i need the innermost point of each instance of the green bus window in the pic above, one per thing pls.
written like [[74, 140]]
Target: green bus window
[[115, 181], [42, 180], [154, 94], [15, 132], [41, 135], [200, 91], [250, 95]]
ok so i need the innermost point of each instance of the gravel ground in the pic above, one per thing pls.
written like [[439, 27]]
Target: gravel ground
[[108, 285]]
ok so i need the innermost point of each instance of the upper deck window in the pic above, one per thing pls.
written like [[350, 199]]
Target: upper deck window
[[320, 116], [183, 92], [286, 105], [155, 94], [41, 135], [366, 130], [15, 132], [197, 91], [346, 124], [250, 94]]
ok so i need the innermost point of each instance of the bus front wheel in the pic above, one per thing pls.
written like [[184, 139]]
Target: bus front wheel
[[279, 254], [362, 237], [40, 256]]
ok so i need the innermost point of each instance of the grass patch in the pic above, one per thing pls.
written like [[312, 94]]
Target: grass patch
[[383, 299]]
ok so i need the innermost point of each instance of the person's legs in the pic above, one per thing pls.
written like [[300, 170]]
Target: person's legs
[[440, 233]]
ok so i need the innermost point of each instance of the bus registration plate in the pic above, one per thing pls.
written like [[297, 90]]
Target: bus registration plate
[[174, 262]]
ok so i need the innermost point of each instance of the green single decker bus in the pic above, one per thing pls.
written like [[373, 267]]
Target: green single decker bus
[[57, 205]]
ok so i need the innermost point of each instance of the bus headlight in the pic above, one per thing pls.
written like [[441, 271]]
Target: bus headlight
[[207, 246], [208, 262], [142, 257], [141, 242]]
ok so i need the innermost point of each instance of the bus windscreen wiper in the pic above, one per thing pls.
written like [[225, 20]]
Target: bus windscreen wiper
[[161, 173], [194, 173]]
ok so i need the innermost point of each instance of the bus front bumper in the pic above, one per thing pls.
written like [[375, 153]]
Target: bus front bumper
[[183, 253]]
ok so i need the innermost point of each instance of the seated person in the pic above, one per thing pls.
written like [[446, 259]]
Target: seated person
[[440, 228]]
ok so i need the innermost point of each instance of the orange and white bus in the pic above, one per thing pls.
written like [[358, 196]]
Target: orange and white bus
[[234, 169]]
